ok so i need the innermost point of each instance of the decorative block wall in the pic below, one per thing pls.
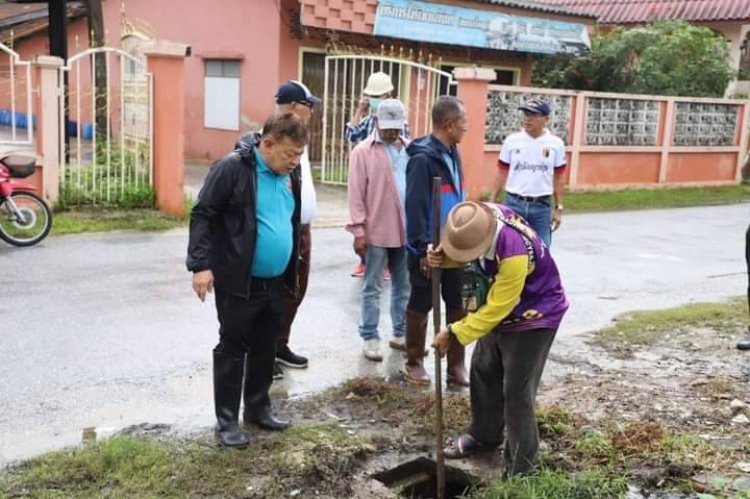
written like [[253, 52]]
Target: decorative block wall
[[357, 16], [504, 118]]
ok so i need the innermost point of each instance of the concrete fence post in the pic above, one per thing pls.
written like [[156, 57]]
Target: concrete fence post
[[667, 137], [473, 88], [744, 138], [579, 135], [166, 63], [46, 102]]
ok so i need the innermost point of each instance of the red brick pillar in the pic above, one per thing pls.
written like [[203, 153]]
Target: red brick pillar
[[473, 86], [166, 63]]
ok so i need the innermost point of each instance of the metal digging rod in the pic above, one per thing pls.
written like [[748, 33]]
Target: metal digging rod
[[440, 457]]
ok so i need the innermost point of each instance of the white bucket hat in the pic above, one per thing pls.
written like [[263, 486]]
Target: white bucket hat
[[378, 84]]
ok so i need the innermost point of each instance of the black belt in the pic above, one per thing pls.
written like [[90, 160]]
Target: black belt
[[530, 199], [265, 283]]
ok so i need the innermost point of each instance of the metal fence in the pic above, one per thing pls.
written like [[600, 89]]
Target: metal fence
[[106, 128], [416, 85], [16, 117]]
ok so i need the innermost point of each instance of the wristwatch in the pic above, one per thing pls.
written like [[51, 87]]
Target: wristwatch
[[559, 207], [450, 329]]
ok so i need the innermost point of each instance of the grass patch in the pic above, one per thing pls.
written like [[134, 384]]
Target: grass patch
[[642, 199], [646, 328], [367, 387], [548, 484], [104, 220], [456, 412], [126, 466], [594, 443], [412, 402], [553, 421]]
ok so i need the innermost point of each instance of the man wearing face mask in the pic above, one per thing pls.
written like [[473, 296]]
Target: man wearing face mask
[[379, 87]]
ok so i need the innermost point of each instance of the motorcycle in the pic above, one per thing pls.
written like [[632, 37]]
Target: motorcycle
[[25, 218]]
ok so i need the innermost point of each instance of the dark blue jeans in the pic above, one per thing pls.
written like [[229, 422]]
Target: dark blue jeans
[[537, 213]]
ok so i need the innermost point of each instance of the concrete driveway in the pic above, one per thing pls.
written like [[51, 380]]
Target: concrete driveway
[[103, 330]]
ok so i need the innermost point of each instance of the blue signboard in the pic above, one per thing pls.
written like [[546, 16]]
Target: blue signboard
[[438, 23]]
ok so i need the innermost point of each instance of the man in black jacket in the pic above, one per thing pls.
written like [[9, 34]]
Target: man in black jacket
[[244, 241]]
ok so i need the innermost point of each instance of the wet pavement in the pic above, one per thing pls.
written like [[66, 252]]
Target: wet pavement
[[103, 331]]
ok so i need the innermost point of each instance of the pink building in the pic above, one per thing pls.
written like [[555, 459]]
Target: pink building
[[242, 49]]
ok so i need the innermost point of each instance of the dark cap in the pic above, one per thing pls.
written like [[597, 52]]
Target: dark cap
[[536, 106], [295, 91]]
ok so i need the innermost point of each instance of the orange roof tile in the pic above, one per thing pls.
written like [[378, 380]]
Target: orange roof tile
[[643, 11]]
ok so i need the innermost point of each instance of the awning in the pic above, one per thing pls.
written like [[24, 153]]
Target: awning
[[440, 23]]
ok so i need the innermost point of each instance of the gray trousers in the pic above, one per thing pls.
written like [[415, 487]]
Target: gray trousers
[[505, 373]]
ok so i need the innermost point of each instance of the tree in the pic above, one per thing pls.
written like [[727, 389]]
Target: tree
[[666, 57]]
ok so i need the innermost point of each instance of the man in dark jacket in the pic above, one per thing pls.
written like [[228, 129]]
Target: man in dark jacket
[[244, 241], [435, 155]]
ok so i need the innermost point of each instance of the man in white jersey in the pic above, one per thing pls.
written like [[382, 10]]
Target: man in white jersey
[[531, 170], [293, 96]]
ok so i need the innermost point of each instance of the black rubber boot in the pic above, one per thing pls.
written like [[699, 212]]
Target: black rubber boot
[[744, 343], [263, 418], [228, 372], [258, 379]]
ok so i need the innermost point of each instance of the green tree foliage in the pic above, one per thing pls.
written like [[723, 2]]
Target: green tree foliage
[[666, 57]]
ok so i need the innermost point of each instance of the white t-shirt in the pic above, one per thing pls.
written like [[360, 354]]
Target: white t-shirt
[[309, 199], [532, 162]]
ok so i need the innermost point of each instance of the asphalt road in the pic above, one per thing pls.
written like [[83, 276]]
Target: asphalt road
[[103, 330]]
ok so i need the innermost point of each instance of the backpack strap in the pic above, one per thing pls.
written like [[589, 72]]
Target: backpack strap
[[521, 230]]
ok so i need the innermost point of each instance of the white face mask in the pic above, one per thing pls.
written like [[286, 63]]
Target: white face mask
[[374, 103]]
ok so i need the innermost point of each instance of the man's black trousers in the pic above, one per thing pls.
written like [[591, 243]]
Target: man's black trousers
[[247, 329]]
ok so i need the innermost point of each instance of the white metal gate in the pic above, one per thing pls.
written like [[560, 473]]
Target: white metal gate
[[16, 115], [107, 146], [417, 85]]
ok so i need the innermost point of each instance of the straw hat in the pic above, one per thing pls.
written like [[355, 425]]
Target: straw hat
[[469, 231]]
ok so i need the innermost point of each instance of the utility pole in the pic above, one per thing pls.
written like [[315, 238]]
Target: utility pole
[[95, 19], [58, 29], [58, 46]]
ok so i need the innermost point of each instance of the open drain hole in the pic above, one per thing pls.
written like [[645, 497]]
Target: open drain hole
[[417, 479]]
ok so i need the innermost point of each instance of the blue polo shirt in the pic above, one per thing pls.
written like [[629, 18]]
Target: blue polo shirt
[[274, 210]]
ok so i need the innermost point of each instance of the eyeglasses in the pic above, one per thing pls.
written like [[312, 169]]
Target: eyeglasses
[[527, 114], [306, 104]]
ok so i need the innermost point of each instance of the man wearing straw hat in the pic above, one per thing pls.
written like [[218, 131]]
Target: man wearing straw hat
[[515, 327]]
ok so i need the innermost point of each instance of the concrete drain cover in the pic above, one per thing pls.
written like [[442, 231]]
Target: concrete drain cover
[[417, 479]]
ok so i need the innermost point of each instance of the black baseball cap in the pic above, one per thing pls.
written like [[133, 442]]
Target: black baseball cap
[[295, 91]]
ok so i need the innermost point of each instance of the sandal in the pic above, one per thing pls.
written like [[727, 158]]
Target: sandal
[[464, 446]]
